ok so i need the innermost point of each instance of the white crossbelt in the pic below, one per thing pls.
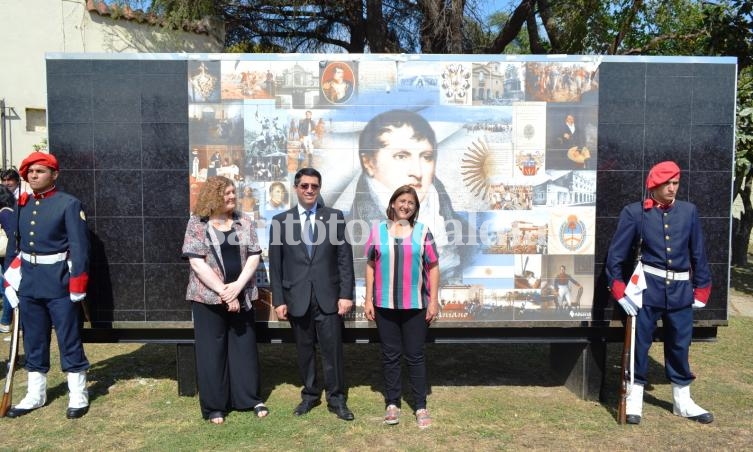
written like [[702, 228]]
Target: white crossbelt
[[44, 259], [666, 274]]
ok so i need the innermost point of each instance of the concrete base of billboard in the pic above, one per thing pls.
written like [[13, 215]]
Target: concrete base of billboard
[[581, 365]]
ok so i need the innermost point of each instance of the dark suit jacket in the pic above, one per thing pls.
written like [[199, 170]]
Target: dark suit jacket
[[576, 138], [328, 272]]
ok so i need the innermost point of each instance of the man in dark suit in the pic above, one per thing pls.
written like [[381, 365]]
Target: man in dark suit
[[311, 269], [572, 138]]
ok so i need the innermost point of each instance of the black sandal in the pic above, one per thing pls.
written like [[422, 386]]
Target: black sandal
[[261, 410]]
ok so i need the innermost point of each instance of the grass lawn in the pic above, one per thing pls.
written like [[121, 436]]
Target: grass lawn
[[483, 397]]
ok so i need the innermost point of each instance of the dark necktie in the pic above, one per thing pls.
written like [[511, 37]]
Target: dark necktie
[[309, 234]]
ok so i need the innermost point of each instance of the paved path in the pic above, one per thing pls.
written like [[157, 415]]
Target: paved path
[[740, 303]]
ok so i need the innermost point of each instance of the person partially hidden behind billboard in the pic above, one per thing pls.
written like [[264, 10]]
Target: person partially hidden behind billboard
[[677, 280], [48, 264], [7, 204], [403, 306], [396, 148], [223, 251]]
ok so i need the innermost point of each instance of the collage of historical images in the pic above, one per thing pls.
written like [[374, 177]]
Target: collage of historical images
[[502, 154]]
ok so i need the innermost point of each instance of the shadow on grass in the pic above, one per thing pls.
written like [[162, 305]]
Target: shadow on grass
[[741, 278], [148, 361], [448, 365]]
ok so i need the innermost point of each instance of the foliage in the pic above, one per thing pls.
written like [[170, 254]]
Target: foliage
[[745, 115], [334, 26], [41, 146], [612, 27], [177, 11], [730, 26], [646, 27]]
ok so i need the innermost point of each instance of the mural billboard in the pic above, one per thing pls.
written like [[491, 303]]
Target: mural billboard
[[507, 186]]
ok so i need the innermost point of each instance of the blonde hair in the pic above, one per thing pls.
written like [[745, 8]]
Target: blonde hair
[[211, 196]]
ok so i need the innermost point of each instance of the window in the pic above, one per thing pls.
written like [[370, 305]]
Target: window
[[36, 120]]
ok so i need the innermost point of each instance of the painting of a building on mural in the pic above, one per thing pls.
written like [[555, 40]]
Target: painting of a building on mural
[[502, 154]]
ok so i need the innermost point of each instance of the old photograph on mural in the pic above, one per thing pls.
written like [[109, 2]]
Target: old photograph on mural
[[501, 154], [564, 81]]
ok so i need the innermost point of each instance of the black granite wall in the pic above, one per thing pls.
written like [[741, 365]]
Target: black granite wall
[[649, 112], [120, 131]]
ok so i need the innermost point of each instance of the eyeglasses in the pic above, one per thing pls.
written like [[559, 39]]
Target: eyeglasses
[[314, 187]]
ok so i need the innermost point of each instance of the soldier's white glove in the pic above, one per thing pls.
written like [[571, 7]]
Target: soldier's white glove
[[76, 297], [12, 281], [628, 306], [12, 297], [698, 304]]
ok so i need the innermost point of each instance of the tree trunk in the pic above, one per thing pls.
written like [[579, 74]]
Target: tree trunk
[[455, 26], [441, 26], [376, 29]]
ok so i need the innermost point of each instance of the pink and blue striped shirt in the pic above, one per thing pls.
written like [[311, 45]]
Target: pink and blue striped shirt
[[401, 266]]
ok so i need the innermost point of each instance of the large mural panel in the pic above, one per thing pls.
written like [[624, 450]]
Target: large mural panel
[[508, 185]]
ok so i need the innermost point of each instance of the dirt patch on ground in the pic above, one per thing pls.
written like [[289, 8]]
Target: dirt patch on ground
[[741, 290]]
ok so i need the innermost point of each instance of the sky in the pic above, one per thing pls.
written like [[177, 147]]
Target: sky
[[487, 6], [492, 6]]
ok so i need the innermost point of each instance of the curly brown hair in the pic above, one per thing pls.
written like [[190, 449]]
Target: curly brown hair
[[211, 196]]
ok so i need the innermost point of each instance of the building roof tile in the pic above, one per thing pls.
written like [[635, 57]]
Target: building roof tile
[[115, 11]]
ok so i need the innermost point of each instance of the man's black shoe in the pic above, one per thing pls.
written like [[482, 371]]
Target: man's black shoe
[[18, 412], [342, 412], [305, 406], [705, 418], [75, 413]]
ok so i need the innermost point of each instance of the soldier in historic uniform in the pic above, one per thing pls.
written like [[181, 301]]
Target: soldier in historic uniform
[[677, 279], [561, 284], [48, 270]]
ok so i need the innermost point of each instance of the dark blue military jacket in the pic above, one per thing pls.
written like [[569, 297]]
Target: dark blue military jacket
[[53, 223], [672, 240]]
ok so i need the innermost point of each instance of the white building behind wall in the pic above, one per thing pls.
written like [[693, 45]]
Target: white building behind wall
[[31, 28]]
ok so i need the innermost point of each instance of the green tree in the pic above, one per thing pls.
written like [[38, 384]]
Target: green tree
[[335, 26], [743, 184], [605, 27], [731, 33]]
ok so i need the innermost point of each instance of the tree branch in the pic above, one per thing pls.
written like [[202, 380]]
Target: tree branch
[[545, 13], [533, 35], [654, 42], [512, 27], [626, 25]]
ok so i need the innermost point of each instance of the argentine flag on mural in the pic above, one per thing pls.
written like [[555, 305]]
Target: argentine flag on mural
[[491, 270]]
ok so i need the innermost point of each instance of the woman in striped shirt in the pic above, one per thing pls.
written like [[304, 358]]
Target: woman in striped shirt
[[402, 286]]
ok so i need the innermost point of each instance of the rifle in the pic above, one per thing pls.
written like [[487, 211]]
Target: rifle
[[8, 389], [627, 368]]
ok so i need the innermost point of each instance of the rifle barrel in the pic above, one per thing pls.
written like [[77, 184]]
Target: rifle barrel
[[625, 371]]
